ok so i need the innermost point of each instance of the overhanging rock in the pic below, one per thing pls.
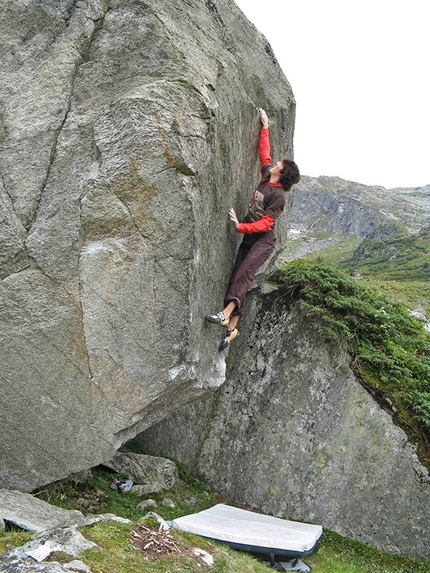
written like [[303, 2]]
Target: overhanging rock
[[127, 128]]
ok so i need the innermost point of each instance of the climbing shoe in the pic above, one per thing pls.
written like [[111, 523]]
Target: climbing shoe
[[217, 319], [228, 337]]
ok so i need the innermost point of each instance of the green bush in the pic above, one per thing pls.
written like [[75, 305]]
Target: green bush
[[390, 350]]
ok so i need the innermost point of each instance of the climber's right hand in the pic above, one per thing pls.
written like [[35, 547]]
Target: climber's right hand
[[264, 118]]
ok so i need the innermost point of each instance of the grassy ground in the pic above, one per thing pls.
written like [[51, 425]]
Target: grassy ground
[[96, 496], [13, 538], [341, 555], [409, 293], [336, 253], [399, 267], [118, 553], [334, 250], [336, 555]]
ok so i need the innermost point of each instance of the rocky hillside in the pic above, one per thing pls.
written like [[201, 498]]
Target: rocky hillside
[[326, 210], [127, 130]]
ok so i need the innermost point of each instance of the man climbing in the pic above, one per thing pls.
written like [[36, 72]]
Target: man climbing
[[258, 243]]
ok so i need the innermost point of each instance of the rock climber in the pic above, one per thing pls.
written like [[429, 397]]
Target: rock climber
[[258, 243]]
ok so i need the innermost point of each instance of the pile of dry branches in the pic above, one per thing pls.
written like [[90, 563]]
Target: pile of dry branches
[[156, 542]]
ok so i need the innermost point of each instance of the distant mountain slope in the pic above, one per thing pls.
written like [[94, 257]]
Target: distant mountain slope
[[327, 210], [348, 208], [380, 235]]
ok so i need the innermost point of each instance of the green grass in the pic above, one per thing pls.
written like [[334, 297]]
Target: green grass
[[408, 293], [117, 555], [398, 267], [292, 246], [333, 254], [402, 258], [336, 253], [338, 554], [190, 496], [13, 538]]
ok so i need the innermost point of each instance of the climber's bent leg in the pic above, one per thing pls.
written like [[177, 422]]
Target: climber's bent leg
[[244, 272]]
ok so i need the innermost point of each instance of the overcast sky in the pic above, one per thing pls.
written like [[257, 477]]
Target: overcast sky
[[360, 74]]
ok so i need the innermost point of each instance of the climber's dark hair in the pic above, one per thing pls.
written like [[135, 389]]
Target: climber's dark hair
[[289, 174]]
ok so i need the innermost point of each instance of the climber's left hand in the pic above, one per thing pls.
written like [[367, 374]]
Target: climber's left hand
[[233, 217]]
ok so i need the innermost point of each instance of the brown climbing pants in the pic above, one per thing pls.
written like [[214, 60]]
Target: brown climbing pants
[[254, 250]]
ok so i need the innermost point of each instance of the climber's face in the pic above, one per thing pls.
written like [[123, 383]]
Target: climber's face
[[276, 169]]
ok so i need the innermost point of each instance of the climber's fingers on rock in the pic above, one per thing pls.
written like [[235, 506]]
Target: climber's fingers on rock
[[232, 214]]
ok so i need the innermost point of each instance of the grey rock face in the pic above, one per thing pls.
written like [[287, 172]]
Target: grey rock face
[[33, 514], [140, 490], [18, 565], [77, 565], [55, 532], [31, 556], [293, 434], [151, 473], [167, 502], [127, 130], [68, 540]]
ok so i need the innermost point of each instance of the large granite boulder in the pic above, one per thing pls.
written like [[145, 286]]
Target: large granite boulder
[[28, 512], [292, 433], [127, 130]]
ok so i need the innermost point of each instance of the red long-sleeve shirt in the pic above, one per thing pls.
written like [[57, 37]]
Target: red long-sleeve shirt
[[268, 201], [264, 148]]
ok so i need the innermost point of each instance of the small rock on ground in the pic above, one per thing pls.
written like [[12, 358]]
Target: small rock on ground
[[147, 504]]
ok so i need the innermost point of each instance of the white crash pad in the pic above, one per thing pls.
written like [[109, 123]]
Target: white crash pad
[[238, 526]]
